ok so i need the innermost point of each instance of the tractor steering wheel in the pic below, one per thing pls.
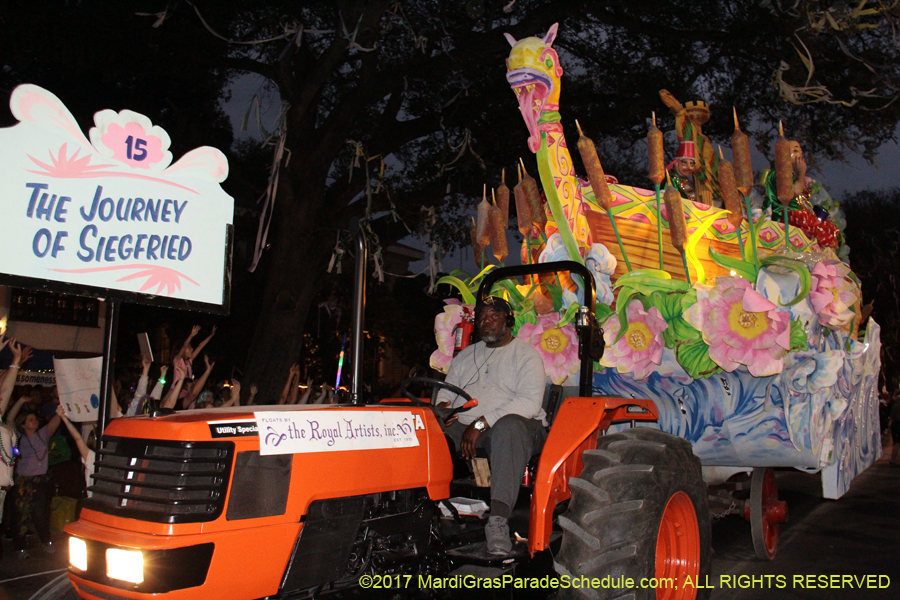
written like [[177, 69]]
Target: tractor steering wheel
[[434, 382]]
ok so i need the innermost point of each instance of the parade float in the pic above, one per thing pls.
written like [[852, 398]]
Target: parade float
[[738, 318]]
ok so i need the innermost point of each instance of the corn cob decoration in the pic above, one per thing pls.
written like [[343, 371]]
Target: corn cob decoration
[[730, 197], [657, 165], [497, 227], [784, 178], [598, 183], [503, 197], [677, 222], [477, 248], [743, 176], [533, 196], [523, 214], [483, 232]]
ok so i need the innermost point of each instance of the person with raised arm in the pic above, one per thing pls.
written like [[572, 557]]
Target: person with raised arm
[[20, 356], [253, 391], [199, 384], [88, 456], [172, 396], [235, 397], [295, 384], [33, 488], [140, 391], [325, 395], [292, 382], [304, 399], [186, 353]]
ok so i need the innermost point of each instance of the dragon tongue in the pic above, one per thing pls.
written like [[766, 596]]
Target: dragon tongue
[[530, 113]]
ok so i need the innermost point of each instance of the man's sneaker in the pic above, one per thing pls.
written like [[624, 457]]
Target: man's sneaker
[[497, 533], [21, 554], [49, 548]]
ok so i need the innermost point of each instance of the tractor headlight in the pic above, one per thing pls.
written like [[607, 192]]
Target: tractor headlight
[[126, 565], [78, 553]]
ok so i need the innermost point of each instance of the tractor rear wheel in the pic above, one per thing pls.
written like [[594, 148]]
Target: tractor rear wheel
[[638, 511]]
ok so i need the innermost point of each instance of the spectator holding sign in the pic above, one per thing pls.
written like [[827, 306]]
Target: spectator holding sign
[[32, 488]]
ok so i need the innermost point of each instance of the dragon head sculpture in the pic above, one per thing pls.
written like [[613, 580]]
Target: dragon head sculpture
[[533, 72]]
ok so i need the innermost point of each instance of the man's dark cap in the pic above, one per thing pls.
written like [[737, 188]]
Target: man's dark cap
[[494, 303]]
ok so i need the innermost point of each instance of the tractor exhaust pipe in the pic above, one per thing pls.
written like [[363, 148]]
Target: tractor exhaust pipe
[[359, 312]]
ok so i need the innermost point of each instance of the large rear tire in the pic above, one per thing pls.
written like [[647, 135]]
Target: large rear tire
[[638, 510]]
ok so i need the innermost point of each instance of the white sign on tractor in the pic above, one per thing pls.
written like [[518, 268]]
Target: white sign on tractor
[[335, 430]]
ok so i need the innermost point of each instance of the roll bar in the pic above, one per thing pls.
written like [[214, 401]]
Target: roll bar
[[590, 340]]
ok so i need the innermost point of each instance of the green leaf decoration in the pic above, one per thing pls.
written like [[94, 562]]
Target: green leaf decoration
[[679, 333], [797, 267], [799, 341], [570, 314], [524, 306], [688, 300], [668, 303], [641, 274], [646, 282], [745, 269], [460, 274], [622, 302], [467, 296], [476, 281], [670, 307], [526, 317], [515, 297], [555, 294], [694, 358], [603, 312]]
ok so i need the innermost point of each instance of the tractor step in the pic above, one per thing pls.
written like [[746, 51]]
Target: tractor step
[[477, 554]]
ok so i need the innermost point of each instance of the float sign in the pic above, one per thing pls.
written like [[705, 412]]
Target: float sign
[[109, 214]]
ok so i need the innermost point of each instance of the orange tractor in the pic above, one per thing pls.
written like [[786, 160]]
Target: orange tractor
[[187, 505]]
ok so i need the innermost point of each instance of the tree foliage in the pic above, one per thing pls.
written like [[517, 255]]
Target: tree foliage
[[873, 231], [418, 87]]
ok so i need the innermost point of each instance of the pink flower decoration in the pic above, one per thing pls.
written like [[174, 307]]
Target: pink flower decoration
[[833, 293], [445, 334], [558, 346], [742, 327], [133, 146], [640, 350]]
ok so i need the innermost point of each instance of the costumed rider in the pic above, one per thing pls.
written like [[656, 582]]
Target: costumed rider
[[685, 165], [507, 378], [813, 221]]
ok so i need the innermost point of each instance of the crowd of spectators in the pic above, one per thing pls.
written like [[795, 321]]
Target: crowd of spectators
[[38, 461]]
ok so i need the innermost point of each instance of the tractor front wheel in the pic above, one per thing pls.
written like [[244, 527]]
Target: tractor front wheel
[[638, 524]]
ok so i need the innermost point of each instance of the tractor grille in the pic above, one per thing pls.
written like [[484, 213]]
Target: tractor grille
[[161, 481]]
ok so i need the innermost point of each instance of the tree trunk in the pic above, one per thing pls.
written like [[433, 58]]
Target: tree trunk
[[296, 273]]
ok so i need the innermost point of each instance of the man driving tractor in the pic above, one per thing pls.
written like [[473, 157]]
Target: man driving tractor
[[507, 377]]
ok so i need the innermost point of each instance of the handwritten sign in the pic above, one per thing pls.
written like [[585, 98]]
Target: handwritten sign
[[78, 383], [111, 212], [336, 430]]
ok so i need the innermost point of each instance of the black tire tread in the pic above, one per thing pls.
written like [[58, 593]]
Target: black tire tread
[[612, 522]]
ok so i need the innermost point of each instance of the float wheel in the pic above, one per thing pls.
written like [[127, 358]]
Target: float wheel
[[765, 512]]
